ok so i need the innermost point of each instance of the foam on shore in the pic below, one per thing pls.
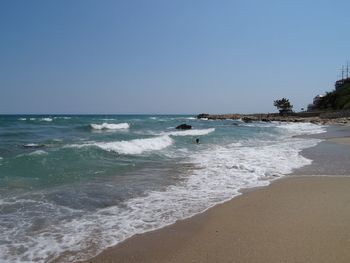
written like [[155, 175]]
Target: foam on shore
[[222, 170]]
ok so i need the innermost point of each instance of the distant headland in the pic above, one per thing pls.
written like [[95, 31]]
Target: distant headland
[[330, 108]]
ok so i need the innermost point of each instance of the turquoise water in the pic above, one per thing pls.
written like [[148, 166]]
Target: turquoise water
[[72, 185]]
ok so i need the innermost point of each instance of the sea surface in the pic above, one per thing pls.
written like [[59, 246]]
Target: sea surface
[[71, 185]]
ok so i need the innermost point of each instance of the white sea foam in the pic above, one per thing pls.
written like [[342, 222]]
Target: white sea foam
[[38, 152], [22, 119], [301, 128], [289, 129], [160, 119], [62, 117], [46, 119], [223, 171], [110, 126], [194, 132], [191, 118], [29, 145], [136, 146]]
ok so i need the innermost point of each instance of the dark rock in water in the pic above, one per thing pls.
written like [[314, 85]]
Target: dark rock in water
[[249, 119], [184, 127], [203, 116]]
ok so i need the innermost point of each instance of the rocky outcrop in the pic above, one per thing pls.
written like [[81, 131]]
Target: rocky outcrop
[[184, 127], [203, 116], [219, 116], [248, 119], [320, 118]]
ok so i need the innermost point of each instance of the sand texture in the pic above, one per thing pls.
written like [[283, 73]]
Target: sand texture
[[343, 140], [300, 219]]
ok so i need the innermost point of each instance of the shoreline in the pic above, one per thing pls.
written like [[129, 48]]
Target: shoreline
[[173, 239], [308, 220]]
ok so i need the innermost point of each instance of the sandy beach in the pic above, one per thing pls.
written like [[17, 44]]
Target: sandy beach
[[301, 218], [174, 132], [293, 220], [344, 140]]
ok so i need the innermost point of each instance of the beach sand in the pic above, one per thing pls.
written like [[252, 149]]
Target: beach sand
[[344, 140], [301, 218], [292, 220]]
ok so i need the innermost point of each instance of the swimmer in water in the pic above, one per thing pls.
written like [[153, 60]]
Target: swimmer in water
[[197, 141]]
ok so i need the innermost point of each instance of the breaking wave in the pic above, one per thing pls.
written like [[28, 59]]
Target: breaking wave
[[34, 119], [33, 145], [38, 152], [221, 170], [136, 146], [110, 126], [46, 119], [191, 132]]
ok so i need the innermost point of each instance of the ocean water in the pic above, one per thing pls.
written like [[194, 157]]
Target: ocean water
[[70, 186]]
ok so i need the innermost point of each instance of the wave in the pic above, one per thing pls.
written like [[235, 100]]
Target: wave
[[302, 128], [191, 132], [224, 170], [33, 145], [136, 146], [46, 119], [41, 119], [62, 117], [34, 119], [110, 126], [38, 152]]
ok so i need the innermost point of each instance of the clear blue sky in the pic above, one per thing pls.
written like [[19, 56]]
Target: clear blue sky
[[168, 56]]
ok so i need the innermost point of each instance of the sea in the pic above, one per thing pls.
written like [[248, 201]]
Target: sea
[[73, 185]]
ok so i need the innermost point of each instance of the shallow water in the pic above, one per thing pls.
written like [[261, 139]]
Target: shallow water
[[73, 185]]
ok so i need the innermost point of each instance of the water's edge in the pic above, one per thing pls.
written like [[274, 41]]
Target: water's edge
[[72, 187], [317, 168]]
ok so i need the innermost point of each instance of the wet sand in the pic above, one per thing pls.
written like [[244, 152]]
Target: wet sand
[[302, 218]]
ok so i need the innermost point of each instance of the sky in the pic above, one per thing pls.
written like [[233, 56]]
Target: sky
[[168, 57]]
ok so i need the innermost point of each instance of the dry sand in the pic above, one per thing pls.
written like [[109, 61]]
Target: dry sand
[[300, 219], [343, 140]]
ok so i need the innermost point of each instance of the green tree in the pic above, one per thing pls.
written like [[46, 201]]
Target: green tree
[[283, 105]]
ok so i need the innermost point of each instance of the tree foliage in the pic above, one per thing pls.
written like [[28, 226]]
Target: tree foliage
[[335, 100], [283, 105]]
